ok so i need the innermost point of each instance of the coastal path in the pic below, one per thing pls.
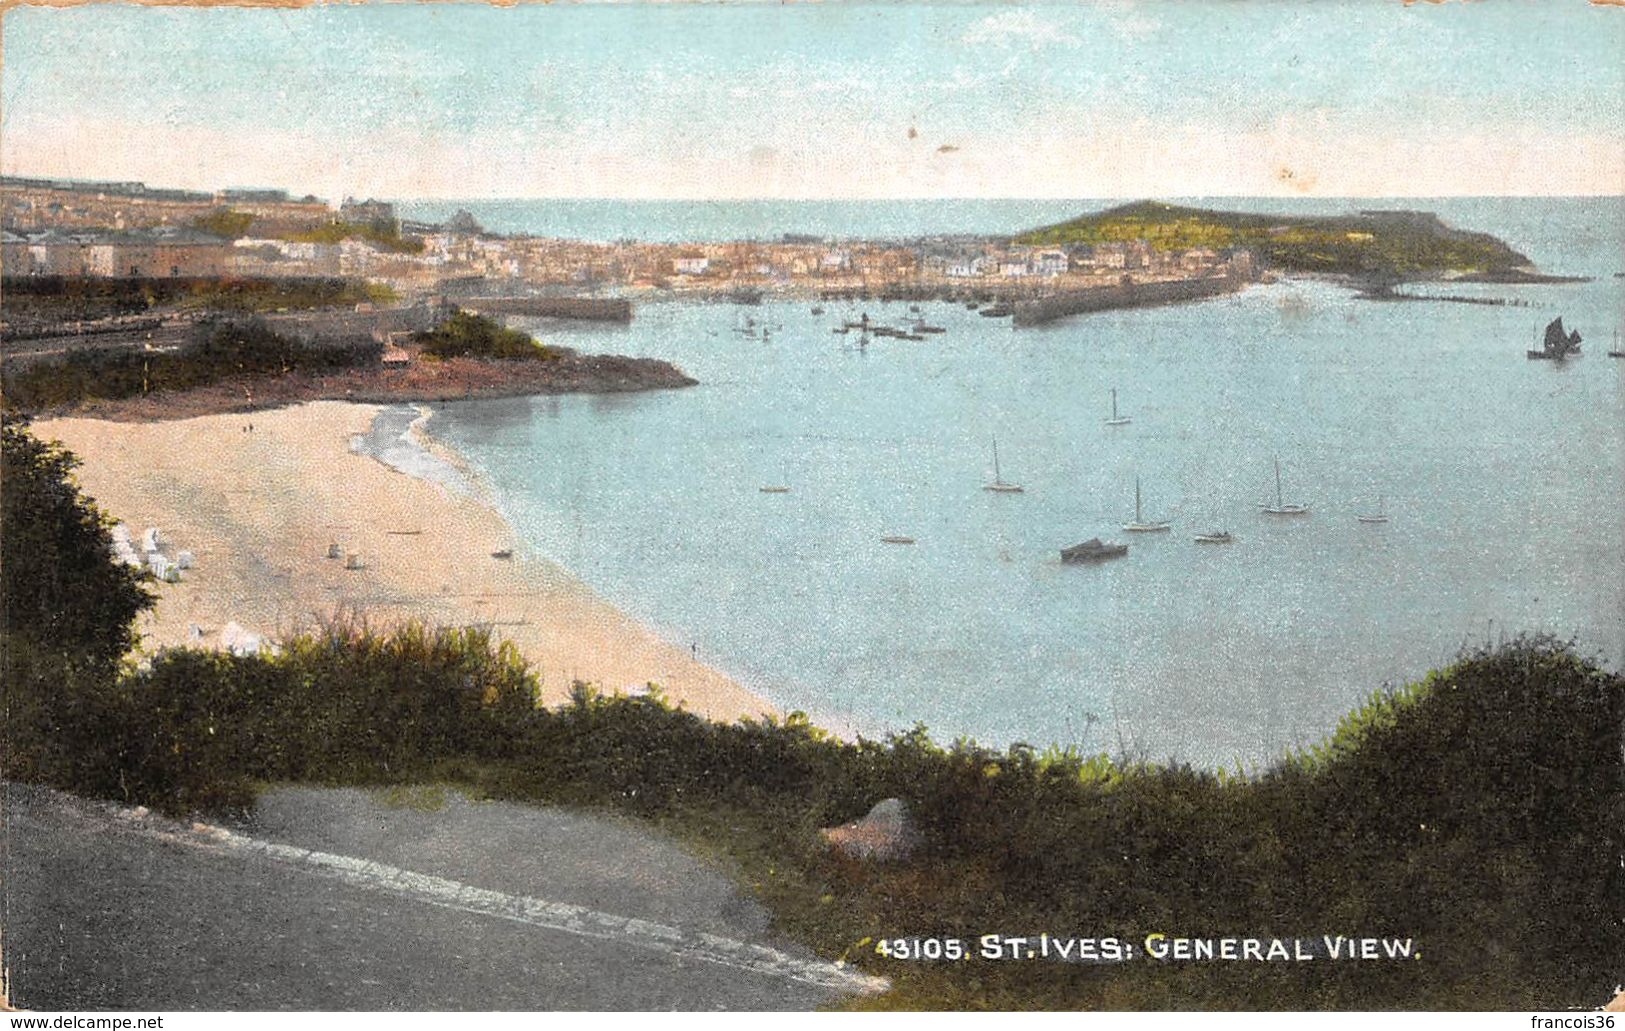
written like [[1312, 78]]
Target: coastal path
[[416, 899]]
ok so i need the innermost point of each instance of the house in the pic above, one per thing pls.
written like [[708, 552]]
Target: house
[[1051, 263], [1198, 259], [1109, 255], [691, 263], [163, 252], [56, 253], [369, 212], [14, 257]]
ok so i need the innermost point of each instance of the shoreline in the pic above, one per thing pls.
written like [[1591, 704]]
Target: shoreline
[[259, 508]]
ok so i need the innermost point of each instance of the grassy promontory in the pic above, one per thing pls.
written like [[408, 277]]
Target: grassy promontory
[[232, 366], [1381, 245], [1479, 812]]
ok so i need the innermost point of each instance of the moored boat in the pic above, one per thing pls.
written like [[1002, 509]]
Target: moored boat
[[1281, 507], [1092, 550], [1140, 525], [998, 485], [1216, 537]]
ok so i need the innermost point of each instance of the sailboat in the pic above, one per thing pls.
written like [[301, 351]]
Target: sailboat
[[1280, 507], [1616, 352], [1215, 537], [1380, 516], [998, 485], [1139, 525], [1117, 420]]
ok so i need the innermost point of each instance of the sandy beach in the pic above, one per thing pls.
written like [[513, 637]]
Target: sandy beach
[[259, 510]]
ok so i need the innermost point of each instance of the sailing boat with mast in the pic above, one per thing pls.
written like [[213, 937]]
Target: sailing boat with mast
[[998, 485], [1281, 507], [1616, 352], [1117, 420], [1140, 525]]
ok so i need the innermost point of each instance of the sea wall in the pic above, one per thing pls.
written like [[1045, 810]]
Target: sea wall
[[1125, 295], [598, 309]]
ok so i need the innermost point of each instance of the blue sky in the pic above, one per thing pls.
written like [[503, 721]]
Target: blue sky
[[826, 100]]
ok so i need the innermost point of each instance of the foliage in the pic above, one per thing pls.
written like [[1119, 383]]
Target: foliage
[[1478, 814], [1385, 244], [54, 299], [218, 352], [467, 335], [387, 236], [225, 222], [59, 584]]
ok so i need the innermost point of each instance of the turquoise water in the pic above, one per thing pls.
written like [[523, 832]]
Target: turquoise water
[[1502, 477]]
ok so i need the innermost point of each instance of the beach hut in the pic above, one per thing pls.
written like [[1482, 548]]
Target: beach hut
[[150, 540], [352, 561], [334, 551], [124, 546], [161, 567], [183, 560]]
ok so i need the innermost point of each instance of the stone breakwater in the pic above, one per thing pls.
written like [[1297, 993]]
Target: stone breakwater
[[1125, 295], [596, 309]]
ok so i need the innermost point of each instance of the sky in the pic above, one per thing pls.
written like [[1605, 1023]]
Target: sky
[[826, 100]]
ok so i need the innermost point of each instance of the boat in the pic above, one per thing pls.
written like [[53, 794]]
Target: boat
[[972, 305], [896, 538], [1616, 352], [502, 553], [998, 485], [818, 311], [1380, 516], [1117, 420], [1280, 507], [920, 326], [1215, 537], [1092, 550], [997, 311], [1557, 344], [1139, 525]]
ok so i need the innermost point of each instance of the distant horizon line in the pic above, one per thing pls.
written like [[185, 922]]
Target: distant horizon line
[[298, 193]]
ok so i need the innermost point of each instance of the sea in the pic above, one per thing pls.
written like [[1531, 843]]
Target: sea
[[1503, 480]]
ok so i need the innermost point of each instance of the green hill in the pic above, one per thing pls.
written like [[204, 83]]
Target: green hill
[[1376, 244]]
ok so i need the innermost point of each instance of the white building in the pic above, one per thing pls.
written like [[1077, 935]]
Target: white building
[[691, 263]]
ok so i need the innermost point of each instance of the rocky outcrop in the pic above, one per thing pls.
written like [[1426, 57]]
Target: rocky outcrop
[[886, 833]]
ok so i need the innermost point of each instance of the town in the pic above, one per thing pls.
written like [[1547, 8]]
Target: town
[[66, 228]]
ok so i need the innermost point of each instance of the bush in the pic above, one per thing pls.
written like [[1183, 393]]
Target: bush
[[466, 335], [217, 353], [59, 584]]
